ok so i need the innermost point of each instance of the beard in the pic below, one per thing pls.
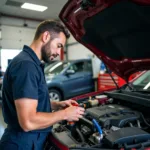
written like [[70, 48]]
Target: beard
[[46, 53]]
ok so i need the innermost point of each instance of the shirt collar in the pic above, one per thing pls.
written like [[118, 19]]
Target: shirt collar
[[32, 54]]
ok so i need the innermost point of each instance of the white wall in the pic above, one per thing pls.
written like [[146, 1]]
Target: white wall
[[13, 33], [15, 37], [18, 22], [77, 50]]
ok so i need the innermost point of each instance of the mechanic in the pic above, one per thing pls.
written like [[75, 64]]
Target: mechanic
[[27, 110]]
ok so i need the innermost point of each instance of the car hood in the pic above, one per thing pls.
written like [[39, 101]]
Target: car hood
[[116, 31]]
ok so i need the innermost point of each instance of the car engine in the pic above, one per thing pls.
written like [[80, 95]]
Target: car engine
[[105, 125]]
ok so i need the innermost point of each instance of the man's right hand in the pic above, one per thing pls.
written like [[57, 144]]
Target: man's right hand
[[73, 113]]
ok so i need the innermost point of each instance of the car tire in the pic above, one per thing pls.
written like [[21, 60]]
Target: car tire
[[55, 95]]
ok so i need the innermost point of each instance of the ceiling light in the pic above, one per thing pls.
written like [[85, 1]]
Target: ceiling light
[[34, 7]]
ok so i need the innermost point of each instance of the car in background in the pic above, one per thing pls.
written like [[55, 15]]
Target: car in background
[[116, 119], [66, 79]]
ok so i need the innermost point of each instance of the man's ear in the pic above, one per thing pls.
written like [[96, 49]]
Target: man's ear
[[46, 37]]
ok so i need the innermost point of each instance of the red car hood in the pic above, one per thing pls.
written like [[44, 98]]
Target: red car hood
[[117, 31]]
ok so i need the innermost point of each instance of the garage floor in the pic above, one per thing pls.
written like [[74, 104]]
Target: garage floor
[[2, 124]]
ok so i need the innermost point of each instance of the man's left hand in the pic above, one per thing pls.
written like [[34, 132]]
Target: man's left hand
[[67, 103]]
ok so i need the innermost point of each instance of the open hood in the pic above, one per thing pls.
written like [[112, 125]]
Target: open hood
[[117, 31]]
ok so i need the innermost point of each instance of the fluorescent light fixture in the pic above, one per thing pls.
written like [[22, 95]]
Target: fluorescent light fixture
[[34, 7]]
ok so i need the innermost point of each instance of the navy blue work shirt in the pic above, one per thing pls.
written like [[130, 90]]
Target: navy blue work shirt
[[24, 78]]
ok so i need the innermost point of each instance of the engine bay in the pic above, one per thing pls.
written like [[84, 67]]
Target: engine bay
[[108, 123]]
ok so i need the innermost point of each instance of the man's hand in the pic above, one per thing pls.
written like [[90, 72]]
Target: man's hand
[[67, 103], [62, 104], [70, 109], [73, 113]]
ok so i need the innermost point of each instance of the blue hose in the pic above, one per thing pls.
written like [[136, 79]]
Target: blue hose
[[97, 126]]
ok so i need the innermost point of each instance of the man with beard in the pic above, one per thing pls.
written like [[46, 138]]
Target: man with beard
[[27, 110]]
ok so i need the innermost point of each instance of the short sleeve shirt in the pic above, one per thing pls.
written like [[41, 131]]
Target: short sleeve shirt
[[24, 78]]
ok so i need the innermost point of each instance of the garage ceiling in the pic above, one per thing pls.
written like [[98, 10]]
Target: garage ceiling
[[12, 7]]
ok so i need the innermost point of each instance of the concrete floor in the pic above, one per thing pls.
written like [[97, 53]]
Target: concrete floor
[[2, 124]]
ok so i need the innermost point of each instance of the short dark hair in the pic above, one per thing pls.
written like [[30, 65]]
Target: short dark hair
[[54, 27]]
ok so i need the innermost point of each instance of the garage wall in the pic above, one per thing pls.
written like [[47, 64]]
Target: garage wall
[[14, 34], [77, 51], [18, 22], [15, 37]]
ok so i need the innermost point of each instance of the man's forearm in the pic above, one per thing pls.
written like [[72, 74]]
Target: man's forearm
[[43, 120]]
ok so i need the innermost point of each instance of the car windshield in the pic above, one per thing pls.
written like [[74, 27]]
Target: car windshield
[[143, 82], [56, 67]]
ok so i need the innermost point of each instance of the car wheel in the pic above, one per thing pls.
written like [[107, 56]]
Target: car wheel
[[55, 95]]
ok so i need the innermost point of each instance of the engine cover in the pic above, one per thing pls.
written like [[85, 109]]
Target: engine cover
[[114, 115], [128, 136]]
